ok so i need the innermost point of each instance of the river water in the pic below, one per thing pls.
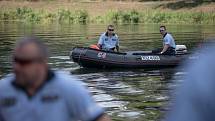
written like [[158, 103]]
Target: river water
[[127, 95]]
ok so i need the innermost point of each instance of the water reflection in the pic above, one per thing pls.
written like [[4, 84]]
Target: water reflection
[[135, 94]]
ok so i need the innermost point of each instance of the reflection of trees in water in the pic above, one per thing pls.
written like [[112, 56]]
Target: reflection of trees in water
[[6, 46], [146, 90], [153, 98]]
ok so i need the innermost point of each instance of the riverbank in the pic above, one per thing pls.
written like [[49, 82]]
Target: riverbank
[[106, 12]]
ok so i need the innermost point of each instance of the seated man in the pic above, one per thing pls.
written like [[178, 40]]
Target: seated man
[[109, 40], [168, 43]]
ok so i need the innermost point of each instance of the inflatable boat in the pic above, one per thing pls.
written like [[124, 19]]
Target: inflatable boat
[[94, 58]]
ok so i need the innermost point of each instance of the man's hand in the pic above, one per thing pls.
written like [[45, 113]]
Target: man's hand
[[100, 46]]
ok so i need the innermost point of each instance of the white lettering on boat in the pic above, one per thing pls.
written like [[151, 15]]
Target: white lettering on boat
[[101, 55], [150, 58]]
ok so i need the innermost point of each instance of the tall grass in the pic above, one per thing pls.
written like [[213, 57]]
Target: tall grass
[[132, 16], [155, 16], [29, 15]]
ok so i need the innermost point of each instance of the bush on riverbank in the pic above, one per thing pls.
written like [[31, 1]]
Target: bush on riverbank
[[29, 15], [132, 16]]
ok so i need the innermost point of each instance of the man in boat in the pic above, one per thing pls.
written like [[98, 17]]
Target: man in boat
[[168, 43], [36, 93], [109, 40]]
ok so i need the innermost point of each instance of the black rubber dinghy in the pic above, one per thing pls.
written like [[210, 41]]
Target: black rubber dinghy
[[92, 58]]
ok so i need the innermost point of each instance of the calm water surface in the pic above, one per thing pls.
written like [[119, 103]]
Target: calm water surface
[[127, 95]]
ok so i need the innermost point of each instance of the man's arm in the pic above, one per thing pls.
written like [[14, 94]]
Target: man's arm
[[100, 42], [168, 39], [117, 44], [166, 46]]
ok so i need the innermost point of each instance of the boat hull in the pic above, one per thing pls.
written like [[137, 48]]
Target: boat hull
[[91, 58]]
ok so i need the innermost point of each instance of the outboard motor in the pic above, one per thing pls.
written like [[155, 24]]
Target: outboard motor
[[181, 49]]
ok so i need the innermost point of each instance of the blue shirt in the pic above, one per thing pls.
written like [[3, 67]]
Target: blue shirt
[[108, 42], [195, 99], [169, 40], [61, 98]]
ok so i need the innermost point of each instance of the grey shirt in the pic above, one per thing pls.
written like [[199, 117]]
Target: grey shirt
[[61, 98]]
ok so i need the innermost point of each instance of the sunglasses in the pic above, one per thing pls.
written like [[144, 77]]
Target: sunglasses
[[162, 30], [24, 62], [110, 29]]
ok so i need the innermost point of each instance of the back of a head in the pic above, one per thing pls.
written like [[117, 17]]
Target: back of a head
[[41, 47]]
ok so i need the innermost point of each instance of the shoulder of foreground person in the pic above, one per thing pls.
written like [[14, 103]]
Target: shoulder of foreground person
[[6, 81], [79, 99]]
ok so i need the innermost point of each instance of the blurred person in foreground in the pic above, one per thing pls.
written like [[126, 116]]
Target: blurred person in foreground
[[195, 99], [36, 93]]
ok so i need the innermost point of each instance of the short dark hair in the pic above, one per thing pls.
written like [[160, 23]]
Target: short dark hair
[[163, 27], [42, 48], [112, 26]]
